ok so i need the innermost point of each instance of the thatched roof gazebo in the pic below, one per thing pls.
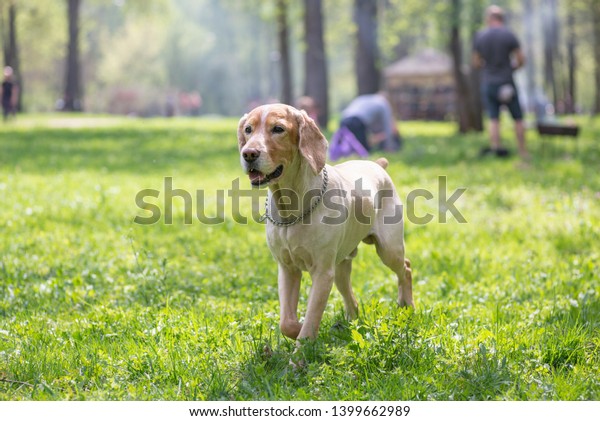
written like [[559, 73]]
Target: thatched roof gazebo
[[421, 86]]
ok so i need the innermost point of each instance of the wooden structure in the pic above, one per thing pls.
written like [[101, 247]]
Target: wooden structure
[[421, 87], [557, 130]]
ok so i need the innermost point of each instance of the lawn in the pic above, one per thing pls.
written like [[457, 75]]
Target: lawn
[[94, 306]]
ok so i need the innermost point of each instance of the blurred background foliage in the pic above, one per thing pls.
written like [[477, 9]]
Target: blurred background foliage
[[136, 55]]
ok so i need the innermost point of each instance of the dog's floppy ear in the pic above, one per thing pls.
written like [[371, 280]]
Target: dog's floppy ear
[[240, 131], [311, 142]]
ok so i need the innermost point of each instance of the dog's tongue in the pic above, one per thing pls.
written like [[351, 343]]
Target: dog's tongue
[[255, 176]]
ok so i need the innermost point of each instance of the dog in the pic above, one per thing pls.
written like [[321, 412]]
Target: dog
[[318, 214]]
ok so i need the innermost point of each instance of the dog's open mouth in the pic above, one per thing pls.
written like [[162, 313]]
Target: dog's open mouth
[[257, 178]]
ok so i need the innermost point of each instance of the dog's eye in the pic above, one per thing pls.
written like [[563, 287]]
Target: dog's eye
[[278, 129], [248, 129]]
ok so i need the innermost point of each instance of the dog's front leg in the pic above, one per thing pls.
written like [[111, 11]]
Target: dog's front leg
[[288, 280], [322, 281]]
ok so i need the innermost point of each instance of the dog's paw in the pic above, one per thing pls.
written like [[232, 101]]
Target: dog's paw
[[297, 361], [267, 352], [298, 365]]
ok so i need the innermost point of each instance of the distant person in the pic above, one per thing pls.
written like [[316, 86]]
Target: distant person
[[367, 124], [170, 106], [10, 92], [195, 103], [498, 53]]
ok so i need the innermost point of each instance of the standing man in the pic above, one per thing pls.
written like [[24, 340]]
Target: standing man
[[498, 53]]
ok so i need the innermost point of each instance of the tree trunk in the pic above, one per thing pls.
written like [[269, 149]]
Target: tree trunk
[[571, 63], [530, 62], [367, 52], [11, 52], [316, 84], [465, 112], [550, 28], [475, 101], [73, 77], [287, 96], [596, 20]]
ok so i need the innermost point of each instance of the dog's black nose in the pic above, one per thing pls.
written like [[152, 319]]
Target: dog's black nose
[[250, 154]]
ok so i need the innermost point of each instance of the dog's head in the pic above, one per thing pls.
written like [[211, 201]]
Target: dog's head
[[273, 137]]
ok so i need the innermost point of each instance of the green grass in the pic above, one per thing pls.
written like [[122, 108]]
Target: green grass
[[93, 306]]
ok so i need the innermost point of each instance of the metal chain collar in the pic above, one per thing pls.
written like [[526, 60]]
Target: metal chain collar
[[301, 217]]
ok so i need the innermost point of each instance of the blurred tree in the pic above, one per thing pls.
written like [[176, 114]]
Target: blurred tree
[[73, 90], [133, 73], [287, 95], [528, 50], [465, 104], [123, 55], [399, 36], [41, 27], [550, 27], [10, 46], [367, 50], [595, 10], [339, 28], [571, 62], [587, 56], [315, 62], [476, 104]]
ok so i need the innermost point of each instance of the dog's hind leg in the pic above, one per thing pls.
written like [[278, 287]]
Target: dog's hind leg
[[391, 253], [344, 286]]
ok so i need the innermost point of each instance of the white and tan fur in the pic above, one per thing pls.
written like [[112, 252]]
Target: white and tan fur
[[274, 136]]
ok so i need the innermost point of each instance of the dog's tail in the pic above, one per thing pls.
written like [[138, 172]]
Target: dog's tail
[[382, 162]]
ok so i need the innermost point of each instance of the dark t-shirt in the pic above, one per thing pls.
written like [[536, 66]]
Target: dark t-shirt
[[495, 45], [7, 88]]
